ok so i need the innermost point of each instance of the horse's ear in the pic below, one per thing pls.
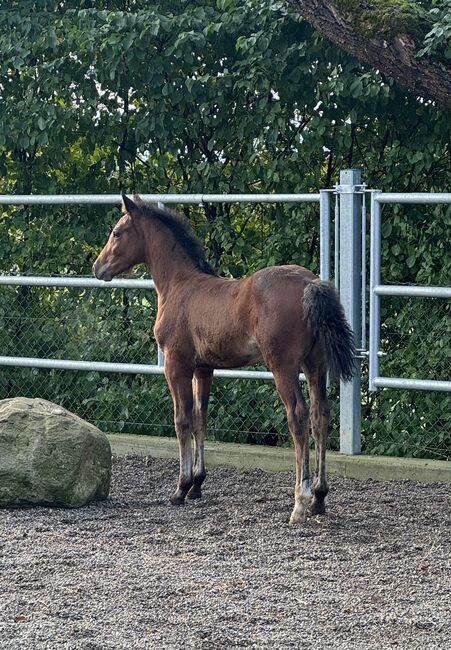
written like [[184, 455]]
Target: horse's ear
[[127, 204]]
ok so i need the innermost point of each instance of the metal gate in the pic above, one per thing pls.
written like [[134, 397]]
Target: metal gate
[[351, 256], [378, 290]]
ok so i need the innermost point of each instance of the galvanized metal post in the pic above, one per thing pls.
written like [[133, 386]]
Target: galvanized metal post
[[337, 243], [375, 280], [350, 256], [324, 234]]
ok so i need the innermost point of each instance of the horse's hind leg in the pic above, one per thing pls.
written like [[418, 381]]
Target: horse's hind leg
[[179, 380], [287, 384], [319, 419], [201, 389]]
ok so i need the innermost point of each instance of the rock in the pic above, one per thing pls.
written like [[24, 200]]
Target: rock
[[49, 456]]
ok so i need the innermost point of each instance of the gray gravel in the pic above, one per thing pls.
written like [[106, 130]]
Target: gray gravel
[[228, 571]]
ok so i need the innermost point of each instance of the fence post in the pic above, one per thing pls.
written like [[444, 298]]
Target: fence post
[[350, 265], [324, 234]]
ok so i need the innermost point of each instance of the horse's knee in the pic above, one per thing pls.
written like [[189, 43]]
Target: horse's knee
[[320, 413], [183, 424], [303, 413], [298, 419]]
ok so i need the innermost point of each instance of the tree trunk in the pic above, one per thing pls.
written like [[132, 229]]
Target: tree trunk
[[392, 54]]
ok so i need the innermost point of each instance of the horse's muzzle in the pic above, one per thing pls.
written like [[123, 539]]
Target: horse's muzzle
[[102, 271]]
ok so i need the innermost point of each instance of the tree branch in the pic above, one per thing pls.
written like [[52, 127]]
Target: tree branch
[[391, 53]]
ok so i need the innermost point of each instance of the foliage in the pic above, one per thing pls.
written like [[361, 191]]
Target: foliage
[[170, 96], [437, 41]]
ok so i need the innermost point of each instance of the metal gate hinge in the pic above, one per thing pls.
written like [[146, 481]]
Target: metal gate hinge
[[363, 354], [350, 189]]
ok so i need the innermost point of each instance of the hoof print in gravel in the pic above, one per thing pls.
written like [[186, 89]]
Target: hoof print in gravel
[[50, 457]]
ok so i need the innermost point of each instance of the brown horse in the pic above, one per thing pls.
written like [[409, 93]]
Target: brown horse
[[282, 315]]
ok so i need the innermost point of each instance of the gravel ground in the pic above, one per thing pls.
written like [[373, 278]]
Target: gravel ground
[[228, 571]]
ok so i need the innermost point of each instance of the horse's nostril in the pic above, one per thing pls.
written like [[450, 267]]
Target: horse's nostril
[[102, 271], [96, 269]]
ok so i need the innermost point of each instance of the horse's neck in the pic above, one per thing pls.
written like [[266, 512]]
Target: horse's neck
[[167, 261]]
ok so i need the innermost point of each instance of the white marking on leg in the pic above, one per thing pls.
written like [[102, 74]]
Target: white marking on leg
[[302, 500]]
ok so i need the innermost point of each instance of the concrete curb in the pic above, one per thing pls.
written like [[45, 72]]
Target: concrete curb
[[275, 459]]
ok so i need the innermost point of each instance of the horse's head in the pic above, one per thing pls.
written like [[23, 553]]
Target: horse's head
[[125, 247]]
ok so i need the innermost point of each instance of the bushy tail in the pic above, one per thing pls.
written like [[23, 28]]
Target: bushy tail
[[326, 318]]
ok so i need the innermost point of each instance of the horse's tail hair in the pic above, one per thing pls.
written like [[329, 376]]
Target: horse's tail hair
[[325, 317]]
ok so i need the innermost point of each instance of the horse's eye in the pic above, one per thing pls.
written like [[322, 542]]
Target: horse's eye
[[116, 234]]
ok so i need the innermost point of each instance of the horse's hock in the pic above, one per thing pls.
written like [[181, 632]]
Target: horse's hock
[[49, 456]]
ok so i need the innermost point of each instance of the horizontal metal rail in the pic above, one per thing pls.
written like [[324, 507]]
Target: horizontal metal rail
[[413, 197], [115, 199], [83, 282], [423, 291], [89, 366], [415, 384], [129, 368]]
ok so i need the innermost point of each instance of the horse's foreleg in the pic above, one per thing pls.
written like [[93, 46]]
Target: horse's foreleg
[[180, 384], [287, 384], [201, 388], [319, 418]]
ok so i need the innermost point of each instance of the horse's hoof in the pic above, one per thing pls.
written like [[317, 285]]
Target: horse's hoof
[[177, 499], [297, 517], [318, 507], [194, 493]]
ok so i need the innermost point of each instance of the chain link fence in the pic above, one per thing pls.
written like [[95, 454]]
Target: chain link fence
[[115, 325], [415, 335]]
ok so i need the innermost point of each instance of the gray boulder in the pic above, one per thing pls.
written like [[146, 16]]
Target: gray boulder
[[49, 456]]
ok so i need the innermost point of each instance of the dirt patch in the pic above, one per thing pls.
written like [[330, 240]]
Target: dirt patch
[[228, 571]]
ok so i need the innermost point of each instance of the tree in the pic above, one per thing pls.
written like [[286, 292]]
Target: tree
[[408, 40]]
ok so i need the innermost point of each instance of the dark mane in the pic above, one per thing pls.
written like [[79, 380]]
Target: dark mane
[[181, 229]]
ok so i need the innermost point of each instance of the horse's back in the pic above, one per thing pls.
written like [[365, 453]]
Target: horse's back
[[279, 289], [272, 277]]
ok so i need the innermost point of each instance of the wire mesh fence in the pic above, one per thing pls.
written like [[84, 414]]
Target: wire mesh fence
[[116, 325], [415, 337]]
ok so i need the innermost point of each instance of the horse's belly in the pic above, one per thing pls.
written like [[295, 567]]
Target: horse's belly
[[228, 354]]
